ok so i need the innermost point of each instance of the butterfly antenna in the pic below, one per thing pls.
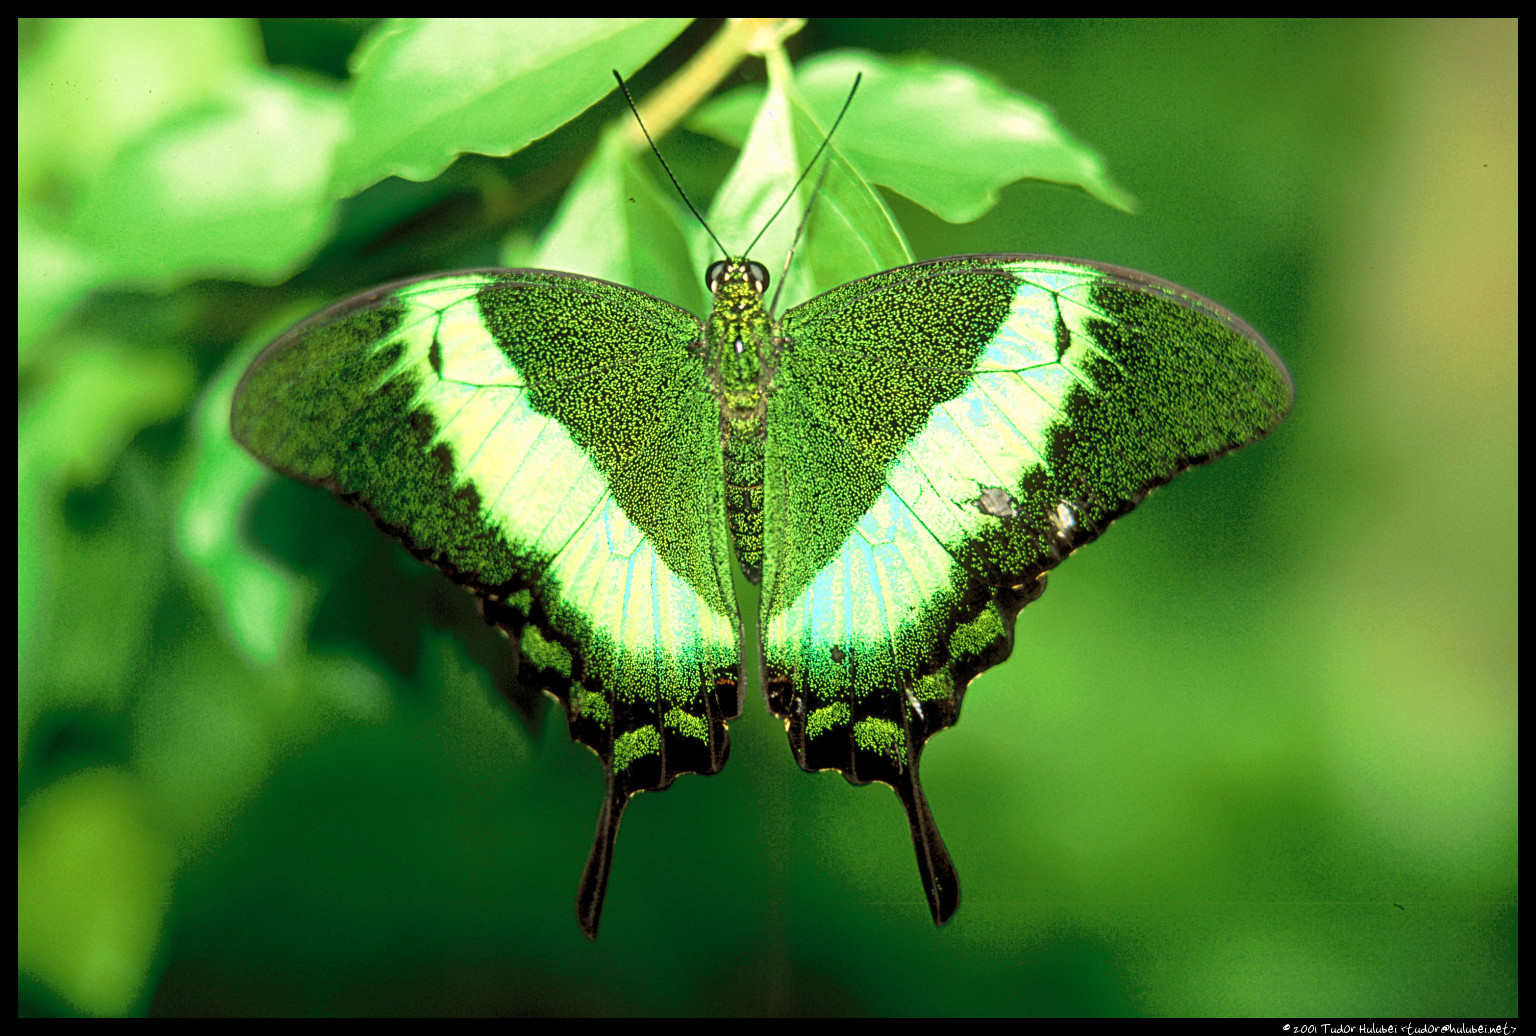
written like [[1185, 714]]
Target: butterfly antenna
[[795, 241], [809, 165], [657, 151]]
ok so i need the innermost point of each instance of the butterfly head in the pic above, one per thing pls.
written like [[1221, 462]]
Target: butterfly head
[[728, 277]]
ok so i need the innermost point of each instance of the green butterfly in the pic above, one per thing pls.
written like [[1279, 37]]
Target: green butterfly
[[898, 461]]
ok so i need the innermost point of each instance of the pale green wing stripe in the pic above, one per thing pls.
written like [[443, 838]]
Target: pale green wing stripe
[[897, 568], [662, 633], [500, 445], [888, 572], [649, 632]]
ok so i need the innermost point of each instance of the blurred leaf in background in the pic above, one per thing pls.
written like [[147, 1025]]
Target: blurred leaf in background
[[1254, 753]]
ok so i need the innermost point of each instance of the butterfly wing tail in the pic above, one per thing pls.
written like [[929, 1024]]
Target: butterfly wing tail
[[594, 879], [940, 881]]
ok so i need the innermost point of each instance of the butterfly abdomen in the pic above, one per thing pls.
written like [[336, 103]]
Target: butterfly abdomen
[[743, 444], [739, 338]]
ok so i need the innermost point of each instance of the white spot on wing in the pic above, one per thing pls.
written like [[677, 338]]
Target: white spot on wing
[[997, 503]]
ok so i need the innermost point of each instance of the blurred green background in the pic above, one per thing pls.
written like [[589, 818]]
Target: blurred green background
[[1255, 750]]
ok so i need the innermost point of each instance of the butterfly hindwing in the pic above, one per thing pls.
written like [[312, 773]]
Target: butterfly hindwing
[[550, 442], [941, 435]]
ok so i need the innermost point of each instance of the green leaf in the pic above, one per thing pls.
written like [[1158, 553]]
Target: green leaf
[[616, 223], [851, 232], [430, 89], [235, 187], [943, 135]]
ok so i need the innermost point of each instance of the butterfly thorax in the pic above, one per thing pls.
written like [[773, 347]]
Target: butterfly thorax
[[739, 354]]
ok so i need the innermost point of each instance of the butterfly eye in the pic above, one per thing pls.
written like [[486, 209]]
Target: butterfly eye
[[715, 274], [757, 273]]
